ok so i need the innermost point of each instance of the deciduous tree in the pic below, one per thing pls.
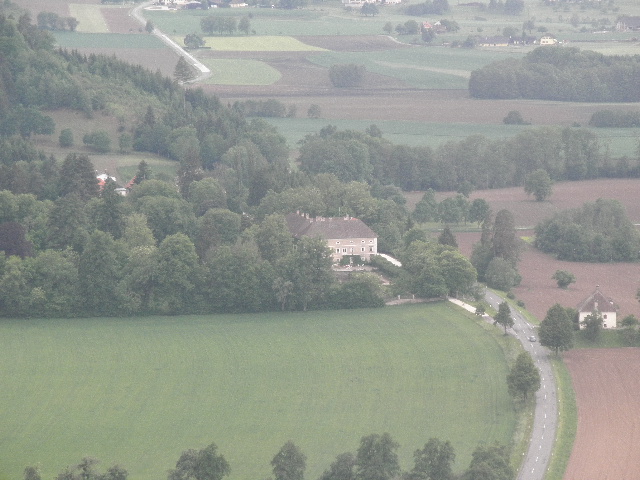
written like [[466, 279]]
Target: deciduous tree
[[193, 40], [524, 377], [490, 462], [205, 464], [289, 463], [503, 317], [433, 461], [539, 184], [377, 458], [343, 468], [564, 278], [556, 330], [592, 324]]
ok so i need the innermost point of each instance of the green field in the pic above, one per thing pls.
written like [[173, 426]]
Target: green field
[[426, 67], [140, 391], [226, 71]]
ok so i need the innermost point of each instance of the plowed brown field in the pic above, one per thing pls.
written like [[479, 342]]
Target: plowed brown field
[[606, 383]]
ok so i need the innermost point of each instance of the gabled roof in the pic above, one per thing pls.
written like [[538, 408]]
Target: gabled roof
[[328, 227], [597, 302]]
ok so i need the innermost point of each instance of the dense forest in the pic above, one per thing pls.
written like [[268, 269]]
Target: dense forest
[[561, 73]]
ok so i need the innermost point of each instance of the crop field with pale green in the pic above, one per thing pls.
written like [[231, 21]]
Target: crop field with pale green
[[139, 391], [226, 71]]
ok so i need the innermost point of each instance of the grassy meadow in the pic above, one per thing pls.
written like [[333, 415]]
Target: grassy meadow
[[227, 71], [139, 391]]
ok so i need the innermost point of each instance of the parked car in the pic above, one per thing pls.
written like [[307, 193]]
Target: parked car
[[532, 338]]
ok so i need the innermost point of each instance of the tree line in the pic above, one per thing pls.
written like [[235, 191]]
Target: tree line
[[375, 459], [615, 119], [475, 162], [560, 73]]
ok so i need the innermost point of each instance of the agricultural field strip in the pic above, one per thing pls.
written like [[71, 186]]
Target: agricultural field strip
[[239, 72], [255, 44], [459, 73]]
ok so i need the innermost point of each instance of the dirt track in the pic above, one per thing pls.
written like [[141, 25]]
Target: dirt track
[[608, 429]]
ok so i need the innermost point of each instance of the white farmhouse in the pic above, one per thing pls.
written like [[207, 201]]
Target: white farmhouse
[[597, 302]]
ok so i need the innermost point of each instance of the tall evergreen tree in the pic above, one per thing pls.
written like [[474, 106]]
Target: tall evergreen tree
[[78, 177]]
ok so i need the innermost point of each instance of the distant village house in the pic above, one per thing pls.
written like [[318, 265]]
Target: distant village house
[[344, 235]]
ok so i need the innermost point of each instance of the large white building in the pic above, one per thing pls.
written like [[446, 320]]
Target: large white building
[[344, 235]]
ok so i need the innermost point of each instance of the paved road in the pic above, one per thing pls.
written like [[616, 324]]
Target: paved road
[[204, 72], [545, 422]]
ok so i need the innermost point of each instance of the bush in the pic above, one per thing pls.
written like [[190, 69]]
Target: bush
[[98, 140], [514, 118], [66, 138], [346, 75], [385, 266]]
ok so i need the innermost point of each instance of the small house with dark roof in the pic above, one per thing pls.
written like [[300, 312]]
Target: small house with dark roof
[[344, 235], [598, 302]]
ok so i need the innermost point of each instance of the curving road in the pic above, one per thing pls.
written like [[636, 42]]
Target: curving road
[[545, 421], [203, 70]]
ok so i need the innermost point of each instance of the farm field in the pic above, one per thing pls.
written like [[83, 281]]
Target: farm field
[[606, 382], [140, 391]]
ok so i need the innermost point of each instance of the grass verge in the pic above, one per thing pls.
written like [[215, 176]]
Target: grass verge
[[567, 422]]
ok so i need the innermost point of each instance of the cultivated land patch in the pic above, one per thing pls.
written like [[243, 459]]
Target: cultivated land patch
[[606, 382], [256, 44], [229, 71], [139, 391]]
